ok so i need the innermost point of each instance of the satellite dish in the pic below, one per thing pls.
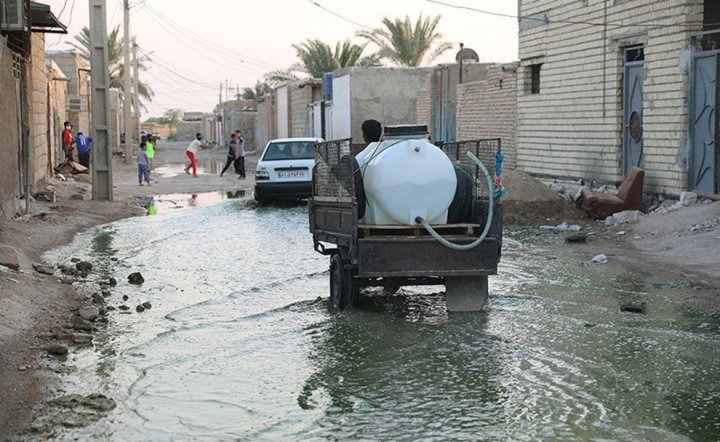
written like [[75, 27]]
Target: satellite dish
[[467, 54]]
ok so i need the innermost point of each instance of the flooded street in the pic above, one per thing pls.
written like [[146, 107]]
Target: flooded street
[[240, 343]]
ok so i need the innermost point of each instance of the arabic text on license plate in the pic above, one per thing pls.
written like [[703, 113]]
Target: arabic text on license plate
[[290, 175]]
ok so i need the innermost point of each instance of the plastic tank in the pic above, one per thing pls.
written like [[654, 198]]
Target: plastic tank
[[406, 176]]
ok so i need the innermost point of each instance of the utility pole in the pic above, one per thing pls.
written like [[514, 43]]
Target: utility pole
[[126, 80], [136, 85], [226, 114], [102, 188], [221, 133]]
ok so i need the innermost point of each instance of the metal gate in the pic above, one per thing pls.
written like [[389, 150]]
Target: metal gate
[[703, 157], [634, 62]]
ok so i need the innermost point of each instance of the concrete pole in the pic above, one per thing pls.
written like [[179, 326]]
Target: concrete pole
[[102, 188], [127, 102], [136, 83]]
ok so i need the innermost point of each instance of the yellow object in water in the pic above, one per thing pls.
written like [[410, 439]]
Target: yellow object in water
[[152, 210]]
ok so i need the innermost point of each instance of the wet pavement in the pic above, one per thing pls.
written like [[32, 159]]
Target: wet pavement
[[240, 343]]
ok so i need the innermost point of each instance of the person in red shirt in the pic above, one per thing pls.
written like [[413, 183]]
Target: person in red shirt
[[67, 142]]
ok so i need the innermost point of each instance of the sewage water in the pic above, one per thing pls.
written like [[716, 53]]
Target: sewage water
[[240, 344]]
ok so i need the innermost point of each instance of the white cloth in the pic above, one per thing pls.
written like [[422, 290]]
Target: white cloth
[[193, 147]]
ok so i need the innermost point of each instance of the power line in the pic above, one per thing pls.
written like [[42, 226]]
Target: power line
[[208, 52], [240, 57], [338, 15], [60, 37], [547, 20]]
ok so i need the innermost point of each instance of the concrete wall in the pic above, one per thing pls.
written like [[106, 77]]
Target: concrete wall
[[573, 127], [9, 142], [388, 95], [265, 121], [57, 113], [38, 90], [186, 130], [341, 107], [300, 98], [72, 65], [282, 111], [488, 109], [245, 122]]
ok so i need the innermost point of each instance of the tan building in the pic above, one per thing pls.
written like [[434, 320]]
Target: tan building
[[606, 85], [29, 92], [77, 72]]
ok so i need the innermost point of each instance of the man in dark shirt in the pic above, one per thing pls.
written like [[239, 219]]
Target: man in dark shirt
[[231, 153]]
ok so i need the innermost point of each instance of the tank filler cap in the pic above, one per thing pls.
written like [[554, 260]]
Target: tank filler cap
[[406, 130]]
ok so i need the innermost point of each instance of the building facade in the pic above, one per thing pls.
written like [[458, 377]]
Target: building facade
[[605, 85]]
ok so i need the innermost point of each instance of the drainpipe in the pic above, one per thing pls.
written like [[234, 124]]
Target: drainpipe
[[461, 63]]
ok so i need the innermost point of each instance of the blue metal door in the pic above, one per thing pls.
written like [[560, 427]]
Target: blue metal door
[[703, 158], [633, 109]]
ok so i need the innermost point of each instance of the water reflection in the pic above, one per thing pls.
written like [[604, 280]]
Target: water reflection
[[240, 343]]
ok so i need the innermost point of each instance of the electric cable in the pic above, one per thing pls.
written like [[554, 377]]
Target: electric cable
[[488, 221], [547, 20], [216, 57], [210, 44]]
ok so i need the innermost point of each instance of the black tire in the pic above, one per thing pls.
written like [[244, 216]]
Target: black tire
[[337, 282]]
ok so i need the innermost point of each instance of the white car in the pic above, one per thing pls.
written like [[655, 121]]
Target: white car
[[284, 170]]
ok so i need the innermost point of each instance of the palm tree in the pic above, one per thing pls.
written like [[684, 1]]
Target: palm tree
[[253, 93], [116, 69], [404, 44], [317, 57]]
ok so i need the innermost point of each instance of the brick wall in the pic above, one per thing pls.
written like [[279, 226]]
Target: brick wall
[[488, 109], [572, 128], [424, 106], [38, 96], [9, 147]]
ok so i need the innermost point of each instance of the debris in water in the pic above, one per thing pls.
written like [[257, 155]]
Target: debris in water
[[57, 350], [136, 278], [634, 307], [600, 259], [578, 237], [139, 308]]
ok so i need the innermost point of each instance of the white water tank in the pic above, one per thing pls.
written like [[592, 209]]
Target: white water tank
[[406, 176]]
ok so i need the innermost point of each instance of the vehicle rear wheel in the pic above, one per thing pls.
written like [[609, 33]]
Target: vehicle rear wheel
[[337, 282]]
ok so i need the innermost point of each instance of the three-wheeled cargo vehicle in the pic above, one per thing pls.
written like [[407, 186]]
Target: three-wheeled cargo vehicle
[[407, 212]]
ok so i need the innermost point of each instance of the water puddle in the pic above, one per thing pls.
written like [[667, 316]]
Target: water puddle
[[240, 344], [169, 202], [212, 167]]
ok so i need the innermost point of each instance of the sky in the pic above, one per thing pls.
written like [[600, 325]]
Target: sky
[[197, 45]]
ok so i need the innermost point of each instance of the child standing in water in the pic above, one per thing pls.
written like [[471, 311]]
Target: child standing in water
[[143, 164]]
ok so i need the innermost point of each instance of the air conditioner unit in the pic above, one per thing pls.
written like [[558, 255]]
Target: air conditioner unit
[[11, 15]]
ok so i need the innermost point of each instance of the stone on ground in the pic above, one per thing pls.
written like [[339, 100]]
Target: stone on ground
[[8, 257]]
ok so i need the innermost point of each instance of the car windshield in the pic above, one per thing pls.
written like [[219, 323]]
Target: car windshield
[[290, 150]]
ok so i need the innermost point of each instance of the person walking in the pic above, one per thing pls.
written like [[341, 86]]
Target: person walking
[[143, 164], [232, 154], [191, 153], [240, 154], [67, 141], [83, 147]]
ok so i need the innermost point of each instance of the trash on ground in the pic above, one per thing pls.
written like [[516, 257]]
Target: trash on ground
[[600, 259], [634, 307]]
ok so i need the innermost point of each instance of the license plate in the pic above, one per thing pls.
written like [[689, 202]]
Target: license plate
[[291, 175]]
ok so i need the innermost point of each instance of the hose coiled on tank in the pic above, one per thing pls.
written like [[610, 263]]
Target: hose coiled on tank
[[488, 221]]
